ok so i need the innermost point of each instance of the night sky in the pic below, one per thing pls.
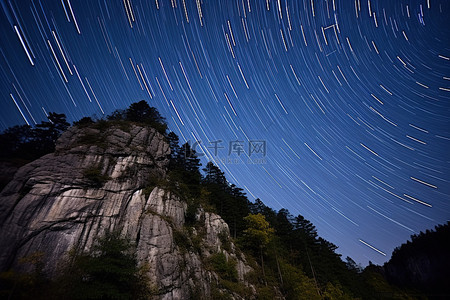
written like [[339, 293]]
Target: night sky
[[350, 98]]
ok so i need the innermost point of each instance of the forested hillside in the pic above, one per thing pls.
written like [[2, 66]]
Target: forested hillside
[[289, 258]]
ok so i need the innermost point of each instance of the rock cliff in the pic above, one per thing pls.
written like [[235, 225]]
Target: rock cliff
[[104, 179]]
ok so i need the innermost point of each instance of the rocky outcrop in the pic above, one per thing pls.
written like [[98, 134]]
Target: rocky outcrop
[[103, 179]]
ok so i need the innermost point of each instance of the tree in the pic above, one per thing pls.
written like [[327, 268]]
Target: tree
[[185, 171], [258, 234], [260, 208], [144, 113], [213, 175], [296, 285], [85, 121], [52, 129], [118, 114], [173, 140], [108, 271], [422, 263], [230, 201], [26, 143], [351, 265], [283, 226], [236, 208], [335, 292], [305, 227], [190, 161], [47, 132]]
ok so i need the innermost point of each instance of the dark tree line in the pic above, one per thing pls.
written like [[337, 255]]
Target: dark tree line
[[27, 143], [108, 271], [22, 144], [295, 241], [141, 112], [291, 254], [293, 250], [423, 263]]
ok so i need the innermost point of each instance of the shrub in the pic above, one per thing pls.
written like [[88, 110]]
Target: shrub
[[225, 240], [226, 269], [84, 122], [108, 271], [181, 239], [94, 176], [92, 138]]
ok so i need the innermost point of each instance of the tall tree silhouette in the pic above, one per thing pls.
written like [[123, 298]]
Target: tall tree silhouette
[[47, 132], [144, 113]]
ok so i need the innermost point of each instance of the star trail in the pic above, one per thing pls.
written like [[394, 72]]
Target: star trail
[[351, 98]]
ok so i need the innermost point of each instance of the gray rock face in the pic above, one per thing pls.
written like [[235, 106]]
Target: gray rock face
[[94, 183]]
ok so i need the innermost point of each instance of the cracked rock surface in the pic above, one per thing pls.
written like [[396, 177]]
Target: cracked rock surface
[[94, 183]]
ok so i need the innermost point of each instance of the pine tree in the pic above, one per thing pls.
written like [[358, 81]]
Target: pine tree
[[213, 175], [108, 271], [173, 140], [258, 235], [144, 113]]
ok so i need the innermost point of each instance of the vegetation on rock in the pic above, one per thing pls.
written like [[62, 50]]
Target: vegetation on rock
[[293, 261], [108, 271]]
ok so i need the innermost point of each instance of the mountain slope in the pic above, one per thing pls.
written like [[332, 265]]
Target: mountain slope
[[100, 179]]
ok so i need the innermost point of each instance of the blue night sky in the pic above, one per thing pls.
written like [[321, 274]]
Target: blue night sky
[[352, 98]]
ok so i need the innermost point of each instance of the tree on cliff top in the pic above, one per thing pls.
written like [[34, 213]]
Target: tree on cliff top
[[144, 113], [25, 142]]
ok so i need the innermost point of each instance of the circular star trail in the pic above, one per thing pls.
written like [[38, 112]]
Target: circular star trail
[[351, 99]]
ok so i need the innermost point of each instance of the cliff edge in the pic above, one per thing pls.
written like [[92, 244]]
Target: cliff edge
[[104, 179]]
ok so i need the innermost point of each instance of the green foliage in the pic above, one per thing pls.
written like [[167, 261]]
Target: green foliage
[[92, 138], [296, 285], [380, 289], [294, 262], [95, 176], [197, 241], [108, 271], [185, 173], [225, 240], [229, 200], [117, 115], [236, 288], [104, 125], [191, 211], [265, 293], [83, 122], [29, 143], [173, 140], [217, 294], [141, 112], [51, 130], [21, 285], [138, 113], [423, 263], [187, 240], [181, 239], [334, 292], [152, 183], [225, 268], [228, 278], [258, 233]]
